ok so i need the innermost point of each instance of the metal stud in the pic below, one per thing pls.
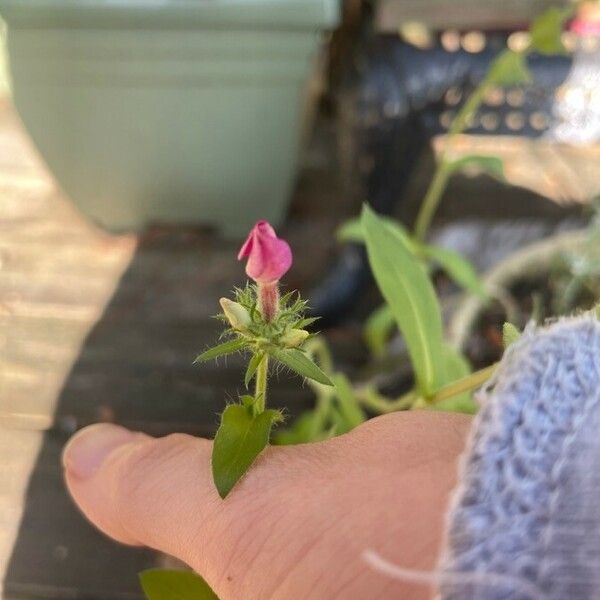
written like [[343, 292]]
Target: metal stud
[[494, 97], [473, 42], [490, 121], [446, 119], [515, 98], [518, 41], [453, 96], [515, 120], [450, 40], [539, 120]]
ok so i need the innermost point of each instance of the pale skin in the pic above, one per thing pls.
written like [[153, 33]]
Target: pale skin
[[298, 524]]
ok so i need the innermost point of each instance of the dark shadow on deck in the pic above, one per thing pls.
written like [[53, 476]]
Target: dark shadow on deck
[[135, 369]]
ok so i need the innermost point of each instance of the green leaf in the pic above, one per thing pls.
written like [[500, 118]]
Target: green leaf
[[339, 424], [456, 367], [407, 289], [350, 231], [283, 301], [253, 365], [510, 334], [378, 329], [348, 405], [301, 431], [241, 437], [159, 584], [509, 68], [301, 364], [490, 164], [221, 350], [546, 31], [458, 268], [304, 323]]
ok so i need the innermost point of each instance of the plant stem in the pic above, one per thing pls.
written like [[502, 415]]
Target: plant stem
[[370, 398], [466, 384], [432, 200], [260, 390], [382, 405], [443, 171]]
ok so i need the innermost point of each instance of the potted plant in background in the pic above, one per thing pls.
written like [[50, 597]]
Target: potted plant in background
[[174, 111]]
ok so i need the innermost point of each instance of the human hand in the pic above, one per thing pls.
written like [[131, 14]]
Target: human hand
[[299, 522]]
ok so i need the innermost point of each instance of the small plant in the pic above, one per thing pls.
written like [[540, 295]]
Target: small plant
[[265, 327]]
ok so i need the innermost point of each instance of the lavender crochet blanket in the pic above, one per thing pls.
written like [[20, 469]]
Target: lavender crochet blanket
[[525, 521]]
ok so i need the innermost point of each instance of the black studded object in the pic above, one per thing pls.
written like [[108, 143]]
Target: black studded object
[[406, 95]]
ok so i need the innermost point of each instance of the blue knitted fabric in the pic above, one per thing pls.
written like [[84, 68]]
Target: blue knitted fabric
[[525, 522]]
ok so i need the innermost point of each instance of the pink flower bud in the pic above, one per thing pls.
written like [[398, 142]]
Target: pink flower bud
[[269, 258]]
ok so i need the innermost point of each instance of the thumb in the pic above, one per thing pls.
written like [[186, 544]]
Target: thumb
[[145, 491]]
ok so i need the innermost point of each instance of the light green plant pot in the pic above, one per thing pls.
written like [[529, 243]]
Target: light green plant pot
[[166, 110]]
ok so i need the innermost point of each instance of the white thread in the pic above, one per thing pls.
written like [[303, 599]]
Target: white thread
[[435, 578]]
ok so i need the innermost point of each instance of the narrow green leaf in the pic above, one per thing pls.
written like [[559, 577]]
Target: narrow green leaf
[[546, 31], [221, 350], [509, 68], [458, 268], [378, 329], [241, 437], [352, 231], [490, 164], [249, 402], [339, 424], [253, 365], [159, 584], [304, 323], [287, 297], [407, 289], [348, 405], [456, 367], [301, 364], [510, 334]]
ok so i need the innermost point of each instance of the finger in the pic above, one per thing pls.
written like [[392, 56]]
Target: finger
[[142, 490]]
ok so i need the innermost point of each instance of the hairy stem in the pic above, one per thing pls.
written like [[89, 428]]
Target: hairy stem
[[260, 390]]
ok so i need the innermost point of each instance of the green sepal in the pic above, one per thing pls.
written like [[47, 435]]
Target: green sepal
[[253, 365], [304, 323]]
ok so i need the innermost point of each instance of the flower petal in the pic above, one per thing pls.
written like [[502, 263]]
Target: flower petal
[[269, 257]]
